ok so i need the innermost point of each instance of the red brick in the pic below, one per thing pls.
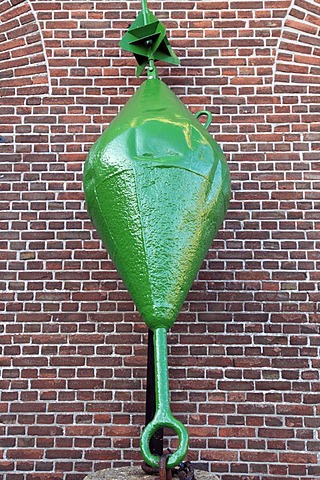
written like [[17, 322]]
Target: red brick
[[25, 453], [74, 348]]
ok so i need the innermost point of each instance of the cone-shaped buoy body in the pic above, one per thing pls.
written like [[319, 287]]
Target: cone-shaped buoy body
[[157, 188]]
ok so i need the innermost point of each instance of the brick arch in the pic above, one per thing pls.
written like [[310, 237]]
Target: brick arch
[[23, 63], [297, 64]]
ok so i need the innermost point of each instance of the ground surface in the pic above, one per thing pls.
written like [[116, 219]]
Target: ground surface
[[136, 473]]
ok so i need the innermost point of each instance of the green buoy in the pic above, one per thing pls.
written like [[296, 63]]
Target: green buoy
[[157, 188]]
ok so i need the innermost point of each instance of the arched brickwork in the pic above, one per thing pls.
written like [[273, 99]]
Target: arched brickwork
[[24, 77], [22, 55], [298, 56]]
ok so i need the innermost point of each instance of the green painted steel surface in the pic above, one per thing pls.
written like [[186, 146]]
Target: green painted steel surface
[[157, 188]]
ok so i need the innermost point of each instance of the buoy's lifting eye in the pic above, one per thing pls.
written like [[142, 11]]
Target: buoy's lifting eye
[[209, 117]]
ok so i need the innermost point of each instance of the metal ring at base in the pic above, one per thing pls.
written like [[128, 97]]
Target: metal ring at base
[[174, 458]]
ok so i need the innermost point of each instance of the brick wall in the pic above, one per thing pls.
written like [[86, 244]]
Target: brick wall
[[245, 349]]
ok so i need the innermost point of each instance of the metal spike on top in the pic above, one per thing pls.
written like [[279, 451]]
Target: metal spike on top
[[147, 40]]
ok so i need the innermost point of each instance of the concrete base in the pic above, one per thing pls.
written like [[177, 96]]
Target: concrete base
[[136, 473]]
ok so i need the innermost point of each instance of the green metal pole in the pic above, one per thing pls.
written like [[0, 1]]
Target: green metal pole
[[156, 442], [145, 10], [152, 69], [161, 371], [163, 416]]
